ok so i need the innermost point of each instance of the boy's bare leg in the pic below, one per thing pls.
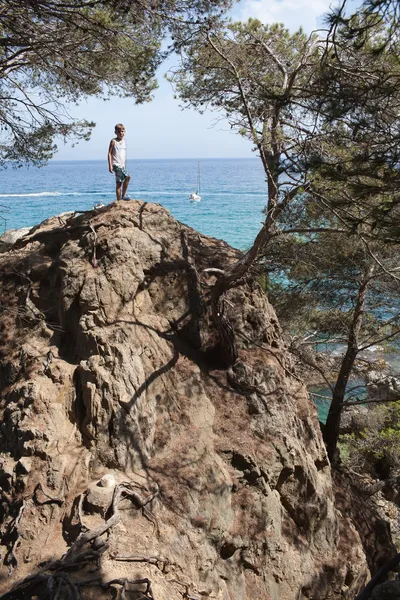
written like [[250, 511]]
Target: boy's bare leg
[[125, 186], [118, 190]]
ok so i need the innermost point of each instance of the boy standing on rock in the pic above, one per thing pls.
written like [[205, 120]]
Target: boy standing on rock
[[117, 162]]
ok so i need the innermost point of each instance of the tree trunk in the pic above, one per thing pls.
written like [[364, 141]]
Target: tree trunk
[[228, 347], [331, 430], [237, 271]]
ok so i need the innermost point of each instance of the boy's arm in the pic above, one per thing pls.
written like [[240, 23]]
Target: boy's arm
[[109, 156]]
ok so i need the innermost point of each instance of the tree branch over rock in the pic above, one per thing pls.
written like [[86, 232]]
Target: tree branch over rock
[[254, 74], [323, 118]]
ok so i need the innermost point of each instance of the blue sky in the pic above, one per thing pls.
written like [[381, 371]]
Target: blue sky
[[160, 129]]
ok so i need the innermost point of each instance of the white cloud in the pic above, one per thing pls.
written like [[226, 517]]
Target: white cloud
[[293, 13]]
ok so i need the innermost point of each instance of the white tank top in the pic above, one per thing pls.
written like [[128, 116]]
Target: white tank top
[[118, 156]]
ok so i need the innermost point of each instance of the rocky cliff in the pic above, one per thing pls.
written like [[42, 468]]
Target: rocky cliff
[[130, 463]]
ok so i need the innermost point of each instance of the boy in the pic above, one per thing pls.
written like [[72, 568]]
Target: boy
[[117, 162]]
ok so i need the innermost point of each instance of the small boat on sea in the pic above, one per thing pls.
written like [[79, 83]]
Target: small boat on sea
[[195, 196]]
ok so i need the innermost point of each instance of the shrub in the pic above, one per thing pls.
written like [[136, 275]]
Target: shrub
[[376, 448]]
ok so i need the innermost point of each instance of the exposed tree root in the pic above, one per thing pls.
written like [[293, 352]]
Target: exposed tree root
[[125, 582], [123, 490], [11, 560], [160, 563], [186, 594], [53, 581], [44, 497]]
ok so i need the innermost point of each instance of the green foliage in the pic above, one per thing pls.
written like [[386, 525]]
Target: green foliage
[[358, 94], [316, 275], [55, 52], [253, 74], [371, 15], [375, 448]]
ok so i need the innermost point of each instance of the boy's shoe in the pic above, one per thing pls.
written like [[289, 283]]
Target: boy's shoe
[[126, 198]]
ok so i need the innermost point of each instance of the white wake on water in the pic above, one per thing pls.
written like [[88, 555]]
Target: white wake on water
[[40, 194], [37, 194]]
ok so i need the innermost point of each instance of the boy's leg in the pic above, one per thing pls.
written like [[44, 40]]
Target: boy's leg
[[125, 185], [118, 187]]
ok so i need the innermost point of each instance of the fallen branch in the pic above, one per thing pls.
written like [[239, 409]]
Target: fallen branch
[[214, 271]]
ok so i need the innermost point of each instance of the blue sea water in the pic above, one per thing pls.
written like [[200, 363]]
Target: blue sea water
[[233, 193], [322, 396]]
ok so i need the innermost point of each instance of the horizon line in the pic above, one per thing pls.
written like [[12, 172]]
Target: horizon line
[[160, 158]]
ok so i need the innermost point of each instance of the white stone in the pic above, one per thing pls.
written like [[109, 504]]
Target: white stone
[[107, 480], [12, 235]]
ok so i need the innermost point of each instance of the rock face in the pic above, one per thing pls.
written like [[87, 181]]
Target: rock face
[[9, 238], [12, 235], [382, 386], [125, 451]]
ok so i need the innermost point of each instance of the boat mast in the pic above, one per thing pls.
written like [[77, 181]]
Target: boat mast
[[198, 178]]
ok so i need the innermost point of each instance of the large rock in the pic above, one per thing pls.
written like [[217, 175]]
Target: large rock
[[12, 235], [107, 355], [383, 386], [9, 237]]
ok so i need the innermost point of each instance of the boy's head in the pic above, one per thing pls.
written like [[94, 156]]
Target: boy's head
[[119, 130]]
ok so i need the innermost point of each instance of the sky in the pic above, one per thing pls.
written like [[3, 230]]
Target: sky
[[161, 129]]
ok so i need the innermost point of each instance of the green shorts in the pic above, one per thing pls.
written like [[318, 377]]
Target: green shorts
[[120, 173]]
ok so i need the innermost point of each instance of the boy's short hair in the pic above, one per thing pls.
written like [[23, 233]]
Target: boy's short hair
[[119, 126]]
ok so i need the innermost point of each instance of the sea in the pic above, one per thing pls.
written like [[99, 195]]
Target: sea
[[233, 193]]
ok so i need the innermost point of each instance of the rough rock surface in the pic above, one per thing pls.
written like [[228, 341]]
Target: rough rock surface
[[107, 367], [12, 235], [8, 238], [383, 386]]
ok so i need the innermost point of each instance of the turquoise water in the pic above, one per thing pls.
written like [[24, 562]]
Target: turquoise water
[[233, 193], [322, 396]]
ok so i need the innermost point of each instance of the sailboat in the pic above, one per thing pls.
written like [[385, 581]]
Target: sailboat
[[195, 197]]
